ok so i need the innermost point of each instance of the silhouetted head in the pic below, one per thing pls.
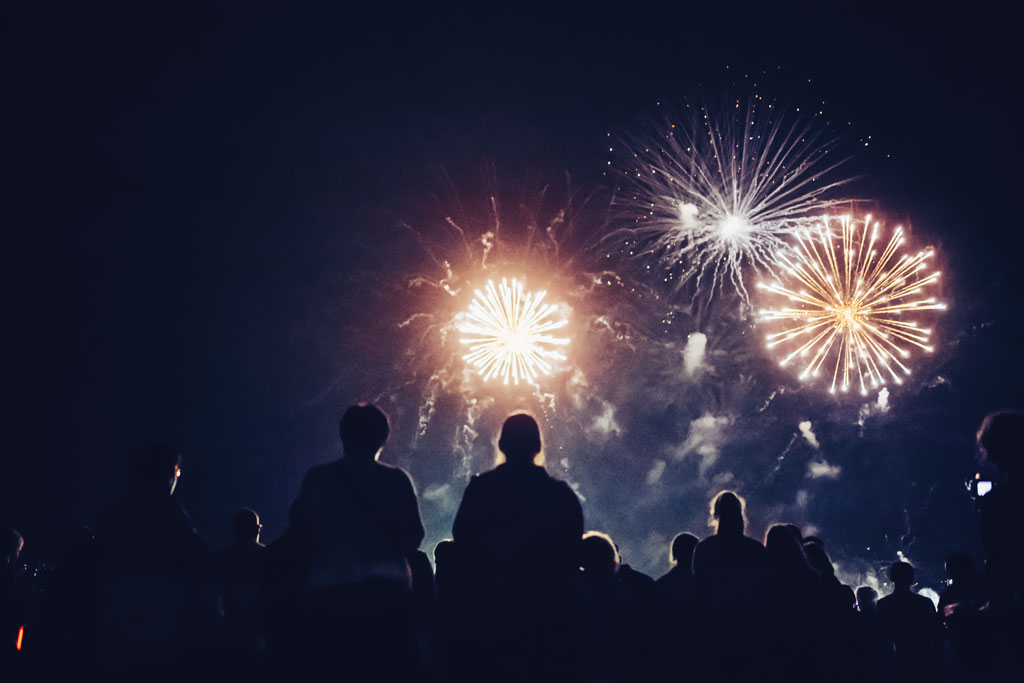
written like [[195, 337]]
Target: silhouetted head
[[11, 543], [866, 599], [796, 532], [520, 439], [727, 514], [364, 431], [818, 558], [1001, 439], [902, 575], [245, 526], [681, 552], [598, 555], [444, 552], [959, 566], [784, 548], [155, 470]]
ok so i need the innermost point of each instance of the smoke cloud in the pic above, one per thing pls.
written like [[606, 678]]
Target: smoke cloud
[[706, 437], [822, 470], [805, 429], [693, 353]]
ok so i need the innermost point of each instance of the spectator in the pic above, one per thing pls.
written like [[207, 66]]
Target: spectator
[[731, 575], [1001, 444], [517, 533], [356, 520], [156, 598], [867, 601], [908, 624], [966, 588], [239, 570]]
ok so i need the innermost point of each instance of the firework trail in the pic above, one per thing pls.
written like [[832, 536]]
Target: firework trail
[[715, 190], [848, 303]]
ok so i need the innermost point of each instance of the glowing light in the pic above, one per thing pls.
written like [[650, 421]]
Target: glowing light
[[721, 189], [507, 331], [850, 303], [733, 227], [21, 637]]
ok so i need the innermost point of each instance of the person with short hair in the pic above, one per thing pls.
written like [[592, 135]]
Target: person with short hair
[[156, 594], [354, 523], [908, 623], [239, 570], [517, 534]]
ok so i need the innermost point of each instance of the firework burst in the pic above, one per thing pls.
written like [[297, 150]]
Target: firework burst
[[849, 304], [719, 189], [507, 331]]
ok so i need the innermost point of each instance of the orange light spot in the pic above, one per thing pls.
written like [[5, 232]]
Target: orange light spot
[[21, 636]]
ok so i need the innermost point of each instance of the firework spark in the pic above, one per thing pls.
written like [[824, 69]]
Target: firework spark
[[718, 189], [507, 331], [850, 303]]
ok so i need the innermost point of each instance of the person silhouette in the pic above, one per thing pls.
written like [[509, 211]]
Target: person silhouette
[[674, 601], [517, 526], [675, 589], [730, 571], [728, 554], [867, 601], [681, 554], [157, 597], [959, 610], [1000, 441], [909, 625], [517, 534], [793, 580], [356, 521], [966, 589], [612, 615], [239, 570], [1001, 444], [792, 602]]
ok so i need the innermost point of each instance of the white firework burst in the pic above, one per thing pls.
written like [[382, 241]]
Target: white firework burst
[[507, 332], [719, 189]]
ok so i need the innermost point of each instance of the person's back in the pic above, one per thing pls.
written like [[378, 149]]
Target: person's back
[[793, 597], [353, 524], [966, 588], [612, 612], [517, 527], [155, 595], [239, 571], [909, 624], [517, 534], [730, 572], [359, 519], [1001, 444], [728, 560]]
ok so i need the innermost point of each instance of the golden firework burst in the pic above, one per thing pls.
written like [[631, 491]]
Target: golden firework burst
[[849, 303]]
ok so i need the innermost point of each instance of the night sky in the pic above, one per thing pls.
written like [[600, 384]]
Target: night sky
[[197, 203]]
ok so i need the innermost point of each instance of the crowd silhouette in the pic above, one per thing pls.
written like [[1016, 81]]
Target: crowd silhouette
[[519, 593]]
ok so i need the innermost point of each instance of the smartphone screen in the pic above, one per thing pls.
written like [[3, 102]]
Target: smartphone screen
[[983, 487]]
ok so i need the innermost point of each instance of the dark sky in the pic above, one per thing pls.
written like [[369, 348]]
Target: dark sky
[[183, 188]]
